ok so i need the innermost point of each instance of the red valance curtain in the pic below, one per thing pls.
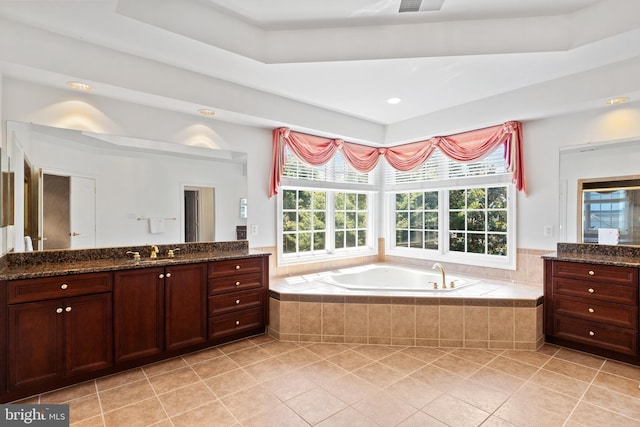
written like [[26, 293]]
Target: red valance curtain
[[463, 147]]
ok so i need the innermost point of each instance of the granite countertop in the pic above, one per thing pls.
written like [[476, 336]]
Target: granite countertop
[[59, 263], [621, 256]]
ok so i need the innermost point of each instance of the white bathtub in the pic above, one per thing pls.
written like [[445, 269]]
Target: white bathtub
[[394, 278]]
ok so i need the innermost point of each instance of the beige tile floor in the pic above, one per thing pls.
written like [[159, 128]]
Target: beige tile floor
[[263, 382]]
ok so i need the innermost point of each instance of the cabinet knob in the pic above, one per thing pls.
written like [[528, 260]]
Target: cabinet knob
[[237, 283], [168, 274], [591, 333], [237, 301], [591, 310], [237, 322], [237, 267], [64, 286], [58, 310], [591, 272], [591, 290], [161, 276], [68, 309]]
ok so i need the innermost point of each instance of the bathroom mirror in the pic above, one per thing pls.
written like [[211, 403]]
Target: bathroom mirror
[[599, 176], [81, 189]]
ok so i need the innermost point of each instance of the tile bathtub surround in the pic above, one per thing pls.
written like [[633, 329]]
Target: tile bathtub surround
[[422, 322], [264, 382]]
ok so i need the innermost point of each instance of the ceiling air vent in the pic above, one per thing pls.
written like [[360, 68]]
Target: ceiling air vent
[[420, 5]]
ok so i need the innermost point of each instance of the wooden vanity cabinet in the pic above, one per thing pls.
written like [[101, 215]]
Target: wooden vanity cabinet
[[592, 307], [58, 327], [159, 309], [237, 297]]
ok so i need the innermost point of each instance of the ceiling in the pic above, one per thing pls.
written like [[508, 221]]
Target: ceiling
[[330, 66]]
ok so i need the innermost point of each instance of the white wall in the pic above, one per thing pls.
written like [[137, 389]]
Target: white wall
[[44, 105]]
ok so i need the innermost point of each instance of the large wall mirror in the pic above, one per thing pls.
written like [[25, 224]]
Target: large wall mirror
[[600, 193], [77, 189]]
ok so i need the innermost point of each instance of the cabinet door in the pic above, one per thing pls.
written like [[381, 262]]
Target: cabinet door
[[89, 333], [36, 342], [138, 313], [186, 305]]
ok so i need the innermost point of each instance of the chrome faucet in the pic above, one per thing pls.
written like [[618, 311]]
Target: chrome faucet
[[444, 281]]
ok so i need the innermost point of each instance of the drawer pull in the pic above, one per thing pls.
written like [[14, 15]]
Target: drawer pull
[[592, 273], [168, 275], [237, 267], [237, 322], [591, 333], [591, 290], [64, 286], [237, 283], [68, 309], [161, 276], [237, 301], [591, 310], [58, 310]]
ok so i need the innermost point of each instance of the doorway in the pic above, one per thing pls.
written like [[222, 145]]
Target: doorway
[[199, 217]]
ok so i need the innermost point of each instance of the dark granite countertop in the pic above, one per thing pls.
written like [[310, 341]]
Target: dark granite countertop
[[59, 263], [621, 256]]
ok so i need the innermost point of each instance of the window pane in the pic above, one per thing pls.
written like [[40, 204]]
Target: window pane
[[339, 219], [416, 239], [497, 221], [289, 221], [289, 243], [362, 237], [304, 242], [476, 198], [456, 242], [402, 201], [319, 221], [289, 199], [362, 202], [351, 220], [497, 244], [304, 200], [339, 200], [362, 220], [351, 239], [475, 221], [416, 201], [497, 198], [431, 220], [431, 200], [339, 239], [456, 221], [319, 201], [475, 243], [402, 238], [402, 220], [351, 201], [431, 240], [304, 221], [456, 199], [415, 220], [318, 241]]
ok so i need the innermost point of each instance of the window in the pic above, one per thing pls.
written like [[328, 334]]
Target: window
[[455, 212], [326, 211]]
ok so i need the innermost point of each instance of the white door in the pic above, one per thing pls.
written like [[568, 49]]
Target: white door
[[83, 212]]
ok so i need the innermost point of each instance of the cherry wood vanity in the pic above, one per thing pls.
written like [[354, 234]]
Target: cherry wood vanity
[[591, 300], [66, 322]]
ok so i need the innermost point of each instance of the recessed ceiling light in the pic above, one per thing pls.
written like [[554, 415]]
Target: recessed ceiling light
[[206, 112], [615, 101], [394, 101], [79, 86]]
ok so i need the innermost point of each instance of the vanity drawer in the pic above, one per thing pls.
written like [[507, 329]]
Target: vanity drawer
[[239, 282], [227, 303], [235, 266], [28, 290], [608, 274], [596, 291], [600, 335], [229, 324], [612, 314]]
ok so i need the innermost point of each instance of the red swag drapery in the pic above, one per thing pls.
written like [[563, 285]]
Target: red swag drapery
[[463, 147]]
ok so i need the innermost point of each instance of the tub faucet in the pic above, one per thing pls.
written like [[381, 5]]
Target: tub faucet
[[438, 265]]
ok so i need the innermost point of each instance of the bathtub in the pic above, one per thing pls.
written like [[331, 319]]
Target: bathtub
[[395, 278]]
